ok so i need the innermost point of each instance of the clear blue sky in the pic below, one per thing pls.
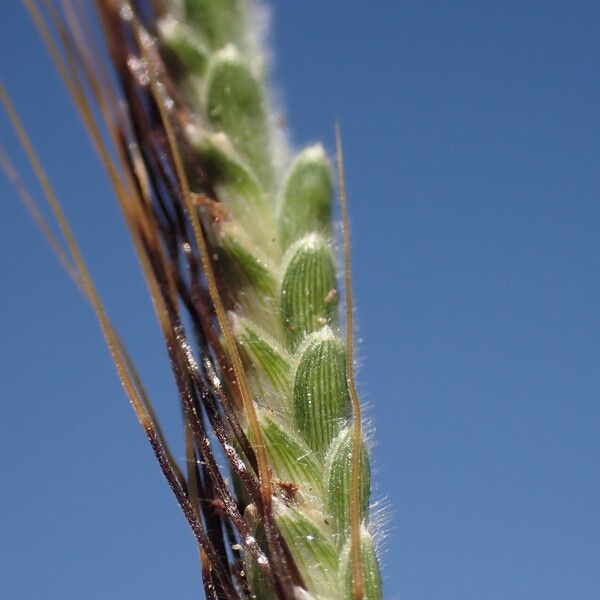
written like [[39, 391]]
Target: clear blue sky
[[472, 137]]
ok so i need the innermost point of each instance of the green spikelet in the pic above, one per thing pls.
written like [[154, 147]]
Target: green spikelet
[[338, 474], [307, 197], [237, 185], [370, 569], [308, 289], [252, 268], [218, 21], [321, 401], [181, 43], [236, 105], [309, 540], [264, 354], [292, 460]]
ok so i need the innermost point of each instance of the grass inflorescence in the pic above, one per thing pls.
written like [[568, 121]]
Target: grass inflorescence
[[234, 233]]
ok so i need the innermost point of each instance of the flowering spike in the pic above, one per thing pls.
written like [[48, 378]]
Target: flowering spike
[[245, 293]]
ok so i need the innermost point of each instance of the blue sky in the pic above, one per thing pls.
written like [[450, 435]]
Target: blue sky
[[472, 140]]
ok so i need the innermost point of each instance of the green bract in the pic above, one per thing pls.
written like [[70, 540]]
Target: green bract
[[235, 104], [370, 570], [308, 288], [253, 269], [187, 48], [239, 187], [266, 357], [321, 401], [338, 473], [217, 21], [307, 197], [292, 459], [317, 555]]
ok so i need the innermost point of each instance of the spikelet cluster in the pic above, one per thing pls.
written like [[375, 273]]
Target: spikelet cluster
[[272, 241]]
